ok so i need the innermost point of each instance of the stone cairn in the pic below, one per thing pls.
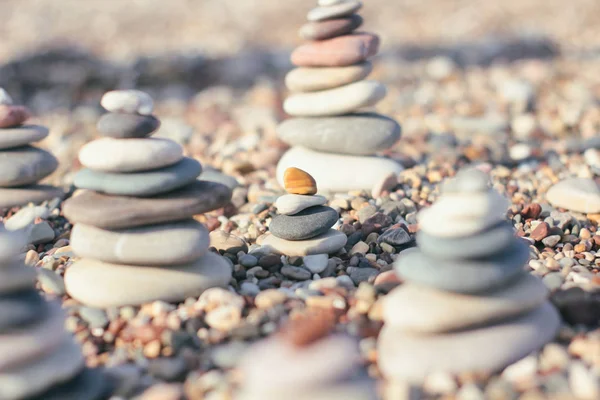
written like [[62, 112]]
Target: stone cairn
[[134, 228], [303, 224], [331, 138], [38, 359], [305, 360], [467, 305], [22, 166]]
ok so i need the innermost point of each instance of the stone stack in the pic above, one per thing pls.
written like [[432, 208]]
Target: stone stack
[[333, 138], [305, 361], [467, 305], [134, 226], [22, 166], [38, 359], [303, 224]]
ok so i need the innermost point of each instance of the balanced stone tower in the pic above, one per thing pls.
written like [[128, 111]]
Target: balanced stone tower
[[303, 224], [22, 166], [134, 228], [38, 359], [306, 360], [467, 305], [333, 138]]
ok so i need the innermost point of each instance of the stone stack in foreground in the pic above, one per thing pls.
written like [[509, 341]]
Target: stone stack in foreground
[[305, 362], [134, 228], [303, 224], [38, 359], [467, 304], [22, 166], [333, 138]]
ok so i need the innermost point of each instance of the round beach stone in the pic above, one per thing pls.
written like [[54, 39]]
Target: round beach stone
[[341, 100], [99, 284], [463, 276], [127, 101], [344, 134], [330, 28], [20, 308], [308, 223], [487, 243], [120, 126], [21, 135], [359, 173], [10, 197], [129, 155], [165, 244], [337, 52], [328, 243], [290, 204], [16, 277], [25, 166], [145, 183], [411, 357], [114, 212], [417, 308], [313, 79], [576, 194], [13, 115], [336, 10]]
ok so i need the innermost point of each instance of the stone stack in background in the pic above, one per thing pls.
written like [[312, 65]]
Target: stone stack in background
[[332, 137], [134, 228], [467, 305], [22, 166], [38, 359]]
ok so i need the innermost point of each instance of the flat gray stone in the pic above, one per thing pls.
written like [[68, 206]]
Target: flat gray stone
[[334, 11], [21, 135], [213, 175], [36, 194], [328, 243], [330, 28], [16, 277], [114, 212], [120, 125], [147, 183], [20, 308], [25, 166], [306, 224], [344, 134], [463, 276], [90, 384]]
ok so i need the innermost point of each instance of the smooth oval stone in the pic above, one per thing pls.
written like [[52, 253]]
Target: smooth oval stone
[[328, 243], [306, 224], [463, 276], [213, 175], [359, 173], [20, 308], [417, 308], [16, 277], [313, 79], [165, 244], [10, 197], [145, 183], [90, 384], [342, 134], [119, 125], [290, 204], [341, 100], [25, 165], [127, 101], [34, 378], [334, 11], [484, 244], [13, 115], [22, 135], [99, 284], [412, 357], [114, 212], [575, 194], [337, 52], [330, 28], [469, 180], [129, 155]]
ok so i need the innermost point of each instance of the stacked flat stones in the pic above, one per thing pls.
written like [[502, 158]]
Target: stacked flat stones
[[303, 224], [22, 166], [134, 226], [38, 359], [467, 304], [333, 138]]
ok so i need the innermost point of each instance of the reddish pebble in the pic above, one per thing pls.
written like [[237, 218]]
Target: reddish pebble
[[11, 116], [387, 277], [337, 52], [540, 232]]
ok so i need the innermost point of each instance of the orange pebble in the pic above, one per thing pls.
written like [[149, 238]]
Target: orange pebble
[[297, 181]]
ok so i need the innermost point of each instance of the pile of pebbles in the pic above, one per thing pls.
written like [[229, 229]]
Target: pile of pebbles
[[330, 95], [134, 229], [22, 166]]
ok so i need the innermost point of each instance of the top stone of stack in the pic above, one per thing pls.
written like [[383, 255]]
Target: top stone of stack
[[130, 115]]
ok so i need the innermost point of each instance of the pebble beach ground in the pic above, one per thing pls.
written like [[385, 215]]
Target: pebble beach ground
[[529, 123]]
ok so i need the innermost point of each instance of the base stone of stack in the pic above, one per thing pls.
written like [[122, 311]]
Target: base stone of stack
[[18, 196]]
